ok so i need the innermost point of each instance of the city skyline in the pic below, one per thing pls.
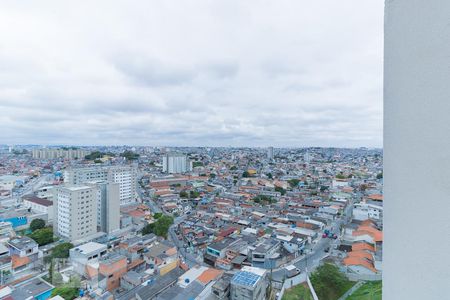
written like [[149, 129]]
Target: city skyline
[[235, 75]]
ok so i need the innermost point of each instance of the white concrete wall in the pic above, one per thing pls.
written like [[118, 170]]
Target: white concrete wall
[[417, 149]]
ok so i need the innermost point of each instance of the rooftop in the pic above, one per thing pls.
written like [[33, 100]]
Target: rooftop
[[245, 278], [152, 289], [22, 243], [37, 200], [32, 288], [89, 248]]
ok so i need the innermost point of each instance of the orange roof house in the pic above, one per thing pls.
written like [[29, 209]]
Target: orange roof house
[[209, 275], [17, 261], [375, 197], [363, 246], [360, 261], [370, 230], [361, 254]]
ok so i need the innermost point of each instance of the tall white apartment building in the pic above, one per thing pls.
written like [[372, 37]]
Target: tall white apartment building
[[75, 211], [125, 176], [175, 163], [108, 206], [59, 153], [270, 153]]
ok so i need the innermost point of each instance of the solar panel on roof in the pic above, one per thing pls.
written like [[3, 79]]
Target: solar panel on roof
[[245, 278]]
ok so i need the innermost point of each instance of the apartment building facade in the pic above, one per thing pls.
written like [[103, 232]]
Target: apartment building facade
[[108, 206], [176, 163], [75, 211], [125, 176], [59, 153]]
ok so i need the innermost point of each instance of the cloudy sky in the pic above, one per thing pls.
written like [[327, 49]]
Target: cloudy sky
[[192, 72]]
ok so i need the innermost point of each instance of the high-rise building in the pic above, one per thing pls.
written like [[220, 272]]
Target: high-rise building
[[307, 157], [249, 283], [175, 163], [75, 211], [270, 153], [46, 153], [125, 176], [108, 206]]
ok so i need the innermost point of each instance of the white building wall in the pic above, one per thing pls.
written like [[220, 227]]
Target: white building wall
[[416, 149], [75, 212], [125, 176]]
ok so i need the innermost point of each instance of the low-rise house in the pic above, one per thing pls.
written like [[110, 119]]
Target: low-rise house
[[85, 258], [249, 284], [132, 279], [194, 284], [266, 254], [154, 287], [39, 205], [36, 288], [5, 260], [24, 253], [111, 269], [162, 257], [360, 263], [291, 244], [329, 211], [363, 211], [217, 250], [221, 288], [6, 231]]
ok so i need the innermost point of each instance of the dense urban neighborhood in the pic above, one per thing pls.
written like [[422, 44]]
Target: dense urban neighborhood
[[171, 223]]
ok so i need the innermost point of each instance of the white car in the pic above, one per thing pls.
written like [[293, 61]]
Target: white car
[[292, 271]]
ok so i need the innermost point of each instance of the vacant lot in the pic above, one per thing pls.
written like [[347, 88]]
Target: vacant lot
[[329, 283], [298, 292], [369, 291]]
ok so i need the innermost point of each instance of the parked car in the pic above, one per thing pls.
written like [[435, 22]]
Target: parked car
[[291, 271]]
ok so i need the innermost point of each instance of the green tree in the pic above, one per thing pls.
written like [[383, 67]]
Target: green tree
[[340, 176], [43, 236], [233, 168], [263, 199], [380, 175], [329, 282], [269, 175], [194, 194], [184, 194], [280, 189], [157, 215], [212, 175], [57, 279], [246, 174], [130, 155], [37, 224], [161, 226], [149, 228], [323, 188], [62, 250], [293, 182], [67, 292], [197, 164], [51, 270]]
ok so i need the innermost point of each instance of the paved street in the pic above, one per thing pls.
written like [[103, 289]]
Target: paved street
[[315, 253], [312, 260], [28, 188]]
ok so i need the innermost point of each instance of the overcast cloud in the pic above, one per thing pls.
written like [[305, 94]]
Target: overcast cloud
[[187, 73]]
